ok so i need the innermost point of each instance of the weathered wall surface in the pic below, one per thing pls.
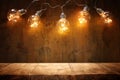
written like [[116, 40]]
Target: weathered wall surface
[[96, 42]]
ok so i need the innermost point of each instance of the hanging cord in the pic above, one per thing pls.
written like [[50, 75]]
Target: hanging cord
[[85, 1], [50, 5], [40, 11], [30, 4], [95, 5], [79, 4], [43, 9], [64, 5]]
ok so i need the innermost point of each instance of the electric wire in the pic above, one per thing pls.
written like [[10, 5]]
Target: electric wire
[[30, 4], [95, 5], [78, 3]]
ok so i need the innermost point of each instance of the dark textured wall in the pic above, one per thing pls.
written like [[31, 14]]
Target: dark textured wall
[[96, 42]]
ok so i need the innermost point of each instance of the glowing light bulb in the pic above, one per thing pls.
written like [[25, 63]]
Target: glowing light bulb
[[108, 20], [14, 15], [82, 20], [34, 21], [83, 16], [63, 24], [104, 15]]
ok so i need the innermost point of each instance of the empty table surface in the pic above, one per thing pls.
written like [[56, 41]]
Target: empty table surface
[[59, 68]]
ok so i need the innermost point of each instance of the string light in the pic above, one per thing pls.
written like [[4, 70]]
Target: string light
[[108, 20], [104, 15], [84, 16], [34, 21], [63, 23], [14, 15]]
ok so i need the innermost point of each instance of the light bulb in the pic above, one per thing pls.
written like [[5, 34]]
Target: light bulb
[[63, 24], [105, 15], [82, 20], [83, 16], [34, 21], [108, 20], [14, 15]]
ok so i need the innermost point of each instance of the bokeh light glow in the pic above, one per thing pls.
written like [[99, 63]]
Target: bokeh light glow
[[34, 21], [63, 25], [83, 18], [108, 20], [105, 15], [13, 15]]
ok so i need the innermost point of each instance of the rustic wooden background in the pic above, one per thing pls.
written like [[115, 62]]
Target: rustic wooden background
[[96, 42]]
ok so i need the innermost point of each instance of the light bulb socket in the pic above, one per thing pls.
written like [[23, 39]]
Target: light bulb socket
[[38, 13], [62, 15], [86, 8], [99, 10], [13, 10], [22, 11], [102, 12], [107, 14]]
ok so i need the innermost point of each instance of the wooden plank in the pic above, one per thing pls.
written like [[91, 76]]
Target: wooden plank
[[111, 67], [60, 69], [2, 65], [11, 68], [52, 69], [26, 69], [88, 68]]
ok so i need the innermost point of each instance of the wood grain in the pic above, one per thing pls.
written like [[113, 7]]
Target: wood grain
[[96, 42], [60, 69]]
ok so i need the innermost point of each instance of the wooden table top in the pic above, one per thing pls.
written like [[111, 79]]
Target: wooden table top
[[59, 68]]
